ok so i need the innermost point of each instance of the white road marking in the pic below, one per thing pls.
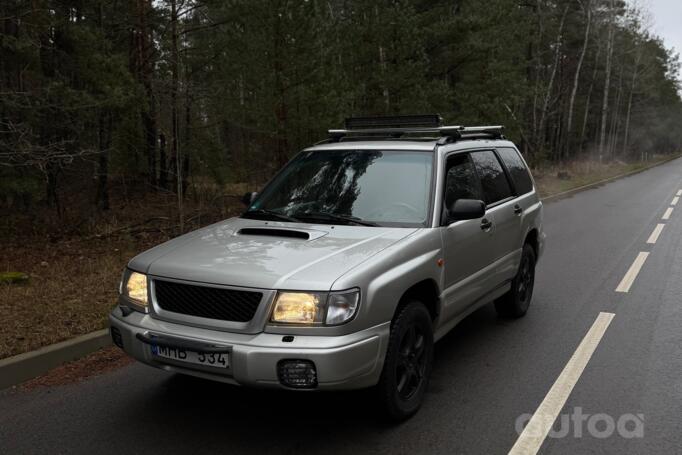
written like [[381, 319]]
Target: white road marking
[[632, 272], [668, 212], [534, 434], [679, 193], [654, 235], [675, 200]]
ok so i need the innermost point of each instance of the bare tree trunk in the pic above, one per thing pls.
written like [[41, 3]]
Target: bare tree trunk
[[615, 120], [635, 72], [104, 140], [144, 70], [588, 100], [550, 85], [281, 110], [51, 189], [175, 143], [188, 121], [576, 79], [535, 132], [607, 79], [163, 162]]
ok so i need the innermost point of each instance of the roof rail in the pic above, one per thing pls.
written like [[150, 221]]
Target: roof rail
[[398, 126]]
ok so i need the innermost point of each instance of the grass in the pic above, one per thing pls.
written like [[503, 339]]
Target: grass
[[73, 275], [583, 173]]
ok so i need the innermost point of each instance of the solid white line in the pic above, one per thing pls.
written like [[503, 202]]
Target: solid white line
[[654, 235], [534, 434], [668, 212], [675, 200], [679, 193], [632, 272]]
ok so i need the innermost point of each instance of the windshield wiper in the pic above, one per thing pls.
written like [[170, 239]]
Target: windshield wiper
[[346, 219], [260, 213]]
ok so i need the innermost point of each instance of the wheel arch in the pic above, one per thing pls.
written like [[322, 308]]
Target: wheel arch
[[533, 240], [427, 292]]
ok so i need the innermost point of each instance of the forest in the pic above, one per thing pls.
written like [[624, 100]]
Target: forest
[[110, 100]]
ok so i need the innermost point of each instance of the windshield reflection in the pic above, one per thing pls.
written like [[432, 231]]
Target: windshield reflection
[[383, 187]]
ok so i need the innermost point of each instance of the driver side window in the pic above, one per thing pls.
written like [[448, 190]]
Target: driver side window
[[461, 180]]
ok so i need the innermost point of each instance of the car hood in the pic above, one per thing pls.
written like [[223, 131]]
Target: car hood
[[267, 254]]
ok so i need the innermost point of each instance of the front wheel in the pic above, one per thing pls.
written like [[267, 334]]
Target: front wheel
[[515, 302], [408, 361]]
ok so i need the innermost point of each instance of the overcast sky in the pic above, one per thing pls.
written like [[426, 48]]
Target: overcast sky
[[667, 18]]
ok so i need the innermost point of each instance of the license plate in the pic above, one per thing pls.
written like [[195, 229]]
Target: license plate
[[218, 360]]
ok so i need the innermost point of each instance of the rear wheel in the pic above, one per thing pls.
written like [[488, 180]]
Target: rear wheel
[[408, 361], [515, 302]]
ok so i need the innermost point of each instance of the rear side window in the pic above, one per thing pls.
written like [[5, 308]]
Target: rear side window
[[493, 179], [519, 174], [461, 181]]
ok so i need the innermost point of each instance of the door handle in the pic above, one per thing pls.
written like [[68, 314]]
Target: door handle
[[486, 224], [517, 209]]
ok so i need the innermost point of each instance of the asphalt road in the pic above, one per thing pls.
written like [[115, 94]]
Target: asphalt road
[[488, 372]]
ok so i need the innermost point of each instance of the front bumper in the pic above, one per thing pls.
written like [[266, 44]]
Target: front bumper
[[342, 362]]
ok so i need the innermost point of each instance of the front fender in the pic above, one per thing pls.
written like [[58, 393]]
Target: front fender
[[385, 278]]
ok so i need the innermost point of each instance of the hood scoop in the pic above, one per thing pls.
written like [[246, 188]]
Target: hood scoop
[[299, 234]]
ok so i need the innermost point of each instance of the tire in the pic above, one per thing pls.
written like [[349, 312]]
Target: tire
[[408, 362], [514, 304]]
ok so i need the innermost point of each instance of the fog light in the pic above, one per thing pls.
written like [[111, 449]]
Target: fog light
[[298, 374]]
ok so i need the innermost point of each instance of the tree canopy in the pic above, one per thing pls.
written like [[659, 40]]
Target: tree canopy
[[169, 91]]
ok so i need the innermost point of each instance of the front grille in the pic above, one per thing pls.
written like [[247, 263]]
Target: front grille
[[207, 302]]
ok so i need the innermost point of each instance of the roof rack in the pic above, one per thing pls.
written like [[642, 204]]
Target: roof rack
[[396, 127]]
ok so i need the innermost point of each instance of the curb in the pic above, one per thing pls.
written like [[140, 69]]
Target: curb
[[589, 186], [22, 367]]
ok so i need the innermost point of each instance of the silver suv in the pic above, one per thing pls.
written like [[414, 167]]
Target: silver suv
[[360, 253]]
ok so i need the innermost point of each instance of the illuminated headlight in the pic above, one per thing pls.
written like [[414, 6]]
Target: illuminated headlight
[[315, 308], [134, 287]]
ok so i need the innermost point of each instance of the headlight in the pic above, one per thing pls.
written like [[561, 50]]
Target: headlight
[[134, 287], [315, 308]]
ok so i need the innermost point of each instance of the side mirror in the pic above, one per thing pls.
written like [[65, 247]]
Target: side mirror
[[465, 209], [248, 198]]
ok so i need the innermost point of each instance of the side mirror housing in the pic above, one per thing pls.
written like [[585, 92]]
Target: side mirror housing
[[248, 198], [465, 209]]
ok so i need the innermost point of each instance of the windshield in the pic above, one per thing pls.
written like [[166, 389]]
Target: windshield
[[390, 188]]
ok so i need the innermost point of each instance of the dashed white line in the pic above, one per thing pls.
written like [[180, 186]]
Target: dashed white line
[[534, 434], [668, 212], [679, 193], [675, 200], [632, 272], [654, 235]]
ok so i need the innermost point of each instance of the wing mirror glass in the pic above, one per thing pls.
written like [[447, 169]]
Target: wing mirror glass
[[465, 209], [249, 197]]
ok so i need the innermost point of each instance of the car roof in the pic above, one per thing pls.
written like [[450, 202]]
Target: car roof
[[427, 145]]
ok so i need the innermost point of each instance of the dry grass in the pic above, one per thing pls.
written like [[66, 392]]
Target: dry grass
[[583, 173], [72, 287]]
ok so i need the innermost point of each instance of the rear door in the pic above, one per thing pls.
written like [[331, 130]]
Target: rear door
[[525, 205], [502, 212]]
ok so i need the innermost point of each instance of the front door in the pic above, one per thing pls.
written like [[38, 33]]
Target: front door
[[468, 243]]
